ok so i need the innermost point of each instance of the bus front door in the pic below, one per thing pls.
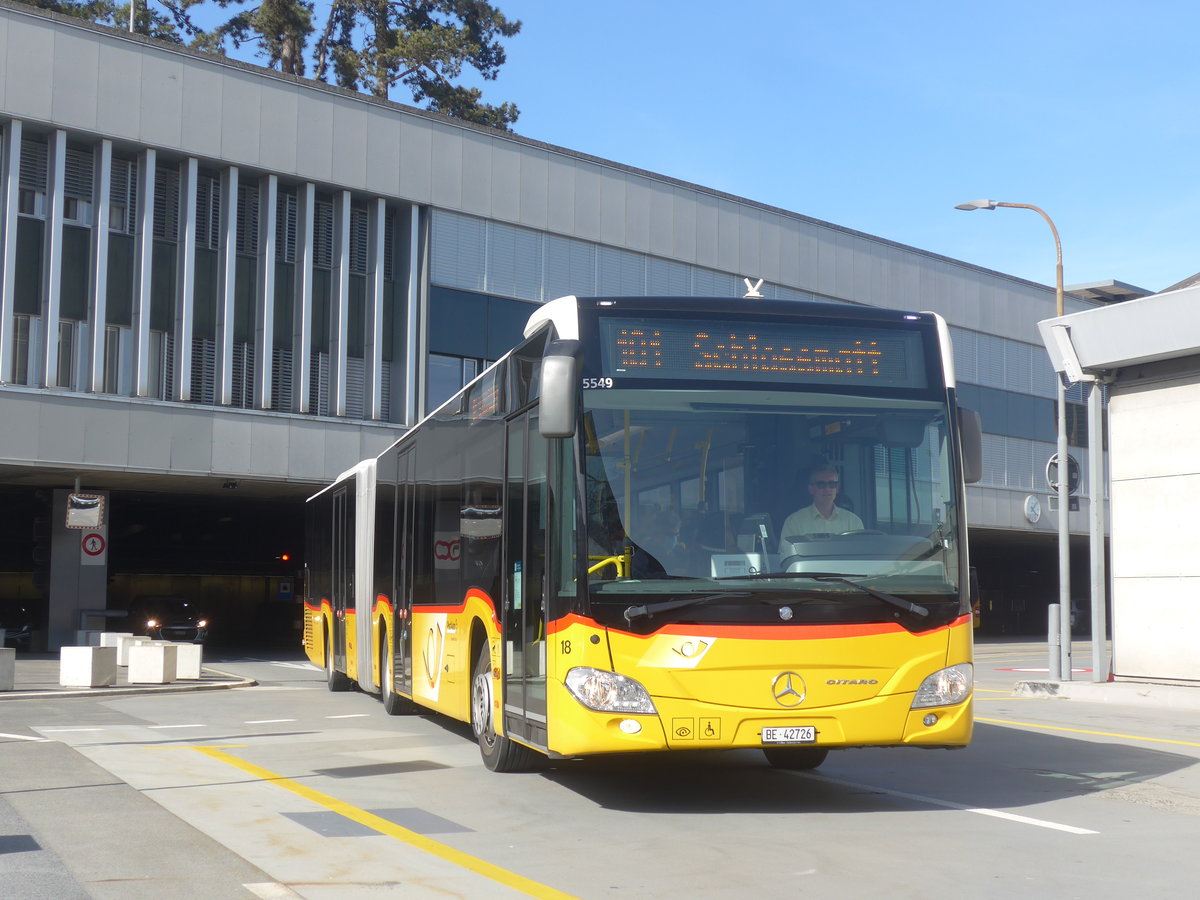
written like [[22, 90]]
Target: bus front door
[[523, 624]]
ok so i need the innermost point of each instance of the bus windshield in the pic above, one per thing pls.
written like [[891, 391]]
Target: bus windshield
[[717, 492]]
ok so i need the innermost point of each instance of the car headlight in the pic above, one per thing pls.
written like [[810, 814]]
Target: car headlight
[[945, 687], [151, 623], [608, 691], [203, 623]]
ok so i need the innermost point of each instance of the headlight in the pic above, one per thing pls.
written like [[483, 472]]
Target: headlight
[[608, 691], [151, 623], [203, 623], [945, 687]]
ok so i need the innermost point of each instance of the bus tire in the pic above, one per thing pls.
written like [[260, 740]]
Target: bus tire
[[393, 704], [499, 753], [337, 681], [795, 758]]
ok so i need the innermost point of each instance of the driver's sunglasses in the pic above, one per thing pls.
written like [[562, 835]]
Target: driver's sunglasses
[[823, 484]]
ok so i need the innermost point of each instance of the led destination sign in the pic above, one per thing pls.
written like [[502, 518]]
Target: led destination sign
[[782, 352]]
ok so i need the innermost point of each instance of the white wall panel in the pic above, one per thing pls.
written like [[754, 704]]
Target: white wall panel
[[106, 434], [314, 145], [29, 45], [476, 173], [504, 159], [161, 100], [639, 197], [383, 152], [268, 448], [446, 166], [708, 237], [560, 191], [150, 444], [203, 96], [534, 188], [587, 192], [416, 160], [1154, 430], [729, 238], [231, 443], [4, 82], [19, 436], [1156, 622], [685, 225], [1154, 530], [349, 142], [74, 81], [660, 236], [116, 112], [612, 197], [191, 436]]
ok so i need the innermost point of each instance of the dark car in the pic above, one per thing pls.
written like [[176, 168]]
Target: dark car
[[169, 619], [18, 619]]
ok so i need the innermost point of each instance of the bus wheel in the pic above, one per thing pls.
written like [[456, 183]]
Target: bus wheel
[[337, 681], [498, 752], [393, 704], [795, 758]]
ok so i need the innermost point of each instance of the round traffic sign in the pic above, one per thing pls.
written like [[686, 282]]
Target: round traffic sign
[[94, 543], [1074, 475]]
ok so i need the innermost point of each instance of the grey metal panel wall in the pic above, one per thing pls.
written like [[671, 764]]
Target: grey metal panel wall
[[72, 431]]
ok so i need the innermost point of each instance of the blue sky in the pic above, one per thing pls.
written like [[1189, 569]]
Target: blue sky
[[881, 116]]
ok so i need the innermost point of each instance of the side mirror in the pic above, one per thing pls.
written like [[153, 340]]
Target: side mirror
[[970, 434], [559, 390]]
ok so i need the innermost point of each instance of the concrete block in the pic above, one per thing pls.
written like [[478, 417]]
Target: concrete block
[[87, 638], [8, 668], [87, 666], [110, 638], [188, 658], [124, 643], [152, 662]]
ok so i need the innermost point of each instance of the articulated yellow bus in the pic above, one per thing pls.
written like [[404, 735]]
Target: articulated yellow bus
[[668, 524]]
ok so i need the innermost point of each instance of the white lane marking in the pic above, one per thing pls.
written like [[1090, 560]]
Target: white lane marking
[[271, 890], [304, 666], [350, 716], [200, 725], [22, 737], [67, 730], [949, 804], [266, 721]]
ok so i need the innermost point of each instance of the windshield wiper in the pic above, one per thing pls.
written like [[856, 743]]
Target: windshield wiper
[[649, 609], [843, 578]]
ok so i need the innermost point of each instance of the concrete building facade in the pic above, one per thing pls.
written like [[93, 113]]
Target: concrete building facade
[[221, 286]]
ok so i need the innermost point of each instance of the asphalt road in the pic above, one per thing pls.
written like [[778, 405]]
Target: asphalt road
[[284, 790]]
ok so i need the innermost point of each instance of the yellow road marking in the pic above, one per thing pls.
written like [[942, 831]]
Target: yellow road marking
[[1111, 734], [391, 829]]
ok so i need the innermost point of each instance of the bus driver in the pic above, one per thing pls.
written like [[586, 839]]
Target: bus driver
[[822, 517]]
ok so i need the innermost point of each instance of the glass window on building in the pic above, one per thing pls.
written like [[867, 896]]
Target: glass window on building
[[447, 375]]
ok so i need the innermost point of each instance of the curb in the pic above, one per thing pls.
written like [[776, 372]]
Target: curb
[[1126, 693], [235, 681]]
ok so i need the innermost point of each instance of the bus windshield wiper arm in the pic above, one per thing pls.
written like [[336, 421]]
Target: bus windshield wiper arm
[[649, 609], [899, 602]]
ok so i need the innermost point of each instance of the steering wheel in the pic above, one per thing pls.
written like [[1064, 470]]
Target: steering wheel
[[861, 531]]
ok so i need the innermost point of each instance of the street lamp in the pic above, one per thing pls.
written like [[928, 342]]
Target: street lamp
[[1063, 658]]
